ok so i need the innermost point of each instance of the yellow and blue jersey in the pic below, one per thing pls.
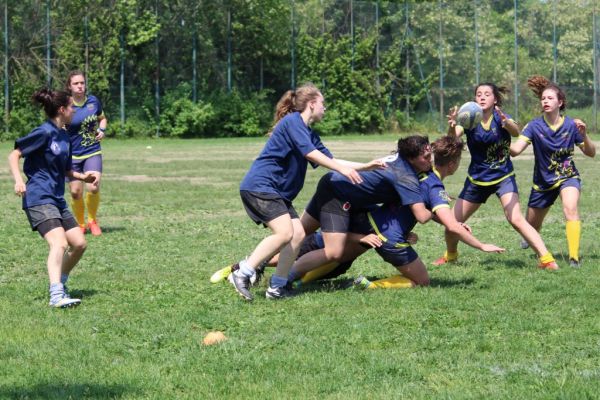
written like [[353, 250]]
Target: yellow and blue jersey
[[489, 145], [281, 166], [393, 222], [47, 155], [84, 126], [553, 148]]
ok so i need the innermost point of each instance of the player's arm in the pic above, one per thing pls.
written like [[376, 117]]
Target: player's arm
[[88, 177], [102, 123], [13, 163], [517, 147], [421, 213], [587, 147], [446, 218], [510, 125], [453, 128], [318, 157], [373, 164]]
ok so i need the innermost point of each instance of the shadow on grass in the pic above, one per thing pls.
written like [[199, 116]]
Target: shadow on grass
[[67, 391], [343, 284], [448, 283], [511, 262], [80, 294], [110, 229]]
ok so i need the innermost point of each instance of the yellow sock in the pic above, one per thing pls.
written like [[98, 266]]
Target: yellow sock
[[451, 255], [78, 210], [319, 272], [393, 282], [573, 229], [92, 202], [546, 258]]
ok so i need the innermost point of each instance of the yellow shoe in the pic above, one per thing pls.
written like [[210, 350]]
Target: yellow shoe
[[221, 274]]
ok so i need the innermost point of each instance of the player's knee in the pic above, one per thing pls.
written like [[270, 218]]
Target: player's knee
[[79, 246], [76, 194], [571, 213], [334, 254], [59, 245]]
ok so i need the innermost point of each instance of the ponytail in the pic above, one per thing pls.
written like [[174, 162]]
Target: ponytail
[[538, 84], [51, 100], [294, 100]]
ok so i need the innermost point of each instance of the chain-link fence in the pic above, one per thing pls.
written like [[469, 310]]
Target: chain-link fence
[[420, 58]]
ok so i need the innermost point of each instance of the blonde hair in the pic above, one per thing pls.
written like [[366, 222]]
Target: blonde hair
[[294, 100]]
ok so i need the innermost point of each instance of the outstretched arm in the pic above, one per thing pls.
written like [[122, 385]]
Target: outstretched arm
[[446, 218], [421, 213], [317, 157], [517, 147], [453, 128], [511, 126]]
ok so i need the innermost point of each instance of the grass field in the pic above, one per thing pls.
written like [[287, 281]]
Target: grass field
[[492, 326]]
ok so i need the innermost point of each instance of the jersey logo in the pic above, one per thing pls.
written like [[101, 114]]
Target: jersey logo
[[444, 196], [346, 206], [90, 107], [55, 148]]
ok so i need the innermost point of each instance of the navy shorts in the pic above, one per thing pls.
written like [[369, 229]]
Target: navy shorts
[[93, 163], [332, 213], [479, 194], [45, 217], [397, 256], [544, 199], [265, 207]]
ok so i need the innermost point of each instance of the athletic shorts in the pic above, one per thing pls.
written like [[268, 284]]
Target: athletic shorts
[[45, 217], [265, 207], [397, 256], [332, 213], [93, 163], [479, 194], [544, 199]]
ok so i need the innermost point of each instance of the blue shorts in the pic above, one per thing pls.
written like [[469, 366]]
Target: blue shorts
[[397, 256], [544, 199], [93, 163], [479, 194], [45, 217]]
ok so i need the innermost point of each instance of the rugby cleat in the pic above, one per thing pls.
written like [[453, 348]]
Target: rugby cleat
[[94, 228], [574, 263], [241, 285], [64, 302], [361, 282], [549, 266], [442, 260], [523, 243], [280, 292], [222, 274]]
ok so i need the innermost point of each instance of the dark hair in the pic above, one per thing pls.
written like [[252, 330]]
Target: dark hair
[[499, 91], [294, 100], [51, 100], [538, 84], [446, 149], [412, 146], [71, 75]]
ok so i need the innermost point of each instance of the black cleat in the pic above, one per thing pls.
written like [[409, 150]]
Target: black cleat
[[241, 285]]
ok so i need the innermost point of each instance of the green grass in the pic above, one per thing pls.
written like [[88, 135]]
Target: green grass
[[492, 326]]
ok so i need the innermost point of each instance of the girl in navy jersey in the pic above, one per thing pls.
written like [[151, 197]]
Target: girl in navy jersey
[[275, 179], [47, 155], [491, 171], [554, 137], [86, 130]]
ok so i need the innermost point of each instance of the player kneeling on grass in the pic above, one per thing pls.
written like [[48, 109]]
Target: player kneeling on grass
[[392, 222], [47, 154]]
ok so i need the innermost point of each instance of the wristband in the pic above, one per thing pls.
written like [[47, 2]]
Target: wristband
[[102, 129]]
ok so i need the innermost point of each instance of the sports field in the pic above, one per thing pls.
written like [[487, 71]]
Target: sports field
[[491, 326]]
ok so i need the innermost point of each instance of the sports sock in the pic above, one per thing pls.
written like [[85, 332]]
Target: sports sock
[[92, 202], [78, 210], [57, 291], [451, 255], [245, 269], [319, 272], [573, 229], [393, 282], [64, 278], [278, 281], [546, 258]]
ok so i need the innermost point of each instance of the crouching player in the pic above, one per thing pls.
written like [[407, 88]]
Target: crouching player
[[391, 223]]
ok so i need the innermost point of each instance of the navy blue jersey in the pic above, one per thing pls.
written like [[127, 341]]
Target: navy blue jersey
[[393, 222], [489, 145], [83, 128], [398, 183], [281, 166], [553, 148], [47, 155]]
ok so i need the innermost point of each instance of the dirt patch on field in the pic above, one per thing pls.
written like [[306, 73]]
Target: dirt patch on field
[[192, 180]]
